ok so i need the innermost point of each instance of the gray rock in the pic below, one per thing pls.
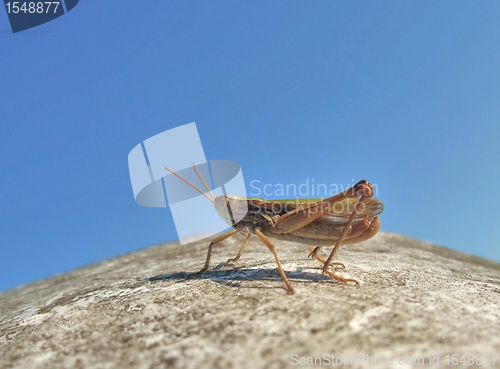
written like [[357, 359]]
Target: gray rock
[[416, 300]]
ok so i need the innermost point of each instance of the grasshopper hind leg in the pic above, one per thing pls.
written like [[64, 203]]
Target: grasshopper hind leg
[[314, 254], [340, 279]]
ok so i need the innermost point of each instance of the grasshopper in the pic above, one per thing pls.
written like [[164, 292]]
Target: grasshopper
[[346, 218]]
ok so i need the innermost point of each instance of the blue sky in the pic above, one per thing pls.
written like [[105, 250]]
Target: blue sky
[[405, 94]]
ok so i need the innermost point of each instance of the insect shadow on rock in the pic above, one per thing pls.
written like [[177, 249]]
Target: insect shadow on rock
[[346, 218]]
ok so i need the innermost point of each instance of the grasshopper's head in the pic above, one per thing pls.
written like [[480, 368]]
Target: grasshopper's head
[[231, 208]]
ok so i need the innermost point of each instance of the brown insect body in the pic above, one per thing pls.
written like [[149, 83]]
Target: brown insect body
[[346, 218], [324, 231]]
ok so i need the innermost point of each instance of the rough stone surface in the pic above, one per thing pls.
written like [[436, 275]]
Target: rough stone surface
[[415, 300]]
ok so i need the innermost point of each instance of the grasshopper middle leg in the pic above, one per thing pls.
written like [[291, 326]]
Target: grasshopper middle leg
[[235, 259]]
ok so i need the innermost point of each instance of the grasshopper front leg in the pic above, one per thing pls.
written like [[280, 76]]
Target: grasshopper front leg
[[218, 239]]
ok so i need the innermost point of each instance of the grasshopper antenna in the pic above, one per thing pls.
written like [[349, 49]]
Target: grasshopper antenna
[[192, 185], [204, 183]]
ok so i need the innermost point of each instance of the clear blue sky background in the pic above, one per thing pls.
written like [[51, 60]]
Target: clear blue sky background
[[404, 94]]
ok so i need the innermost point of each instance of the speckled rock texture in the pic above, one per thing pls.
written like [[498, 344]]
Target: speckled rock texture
[[415, 301]]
